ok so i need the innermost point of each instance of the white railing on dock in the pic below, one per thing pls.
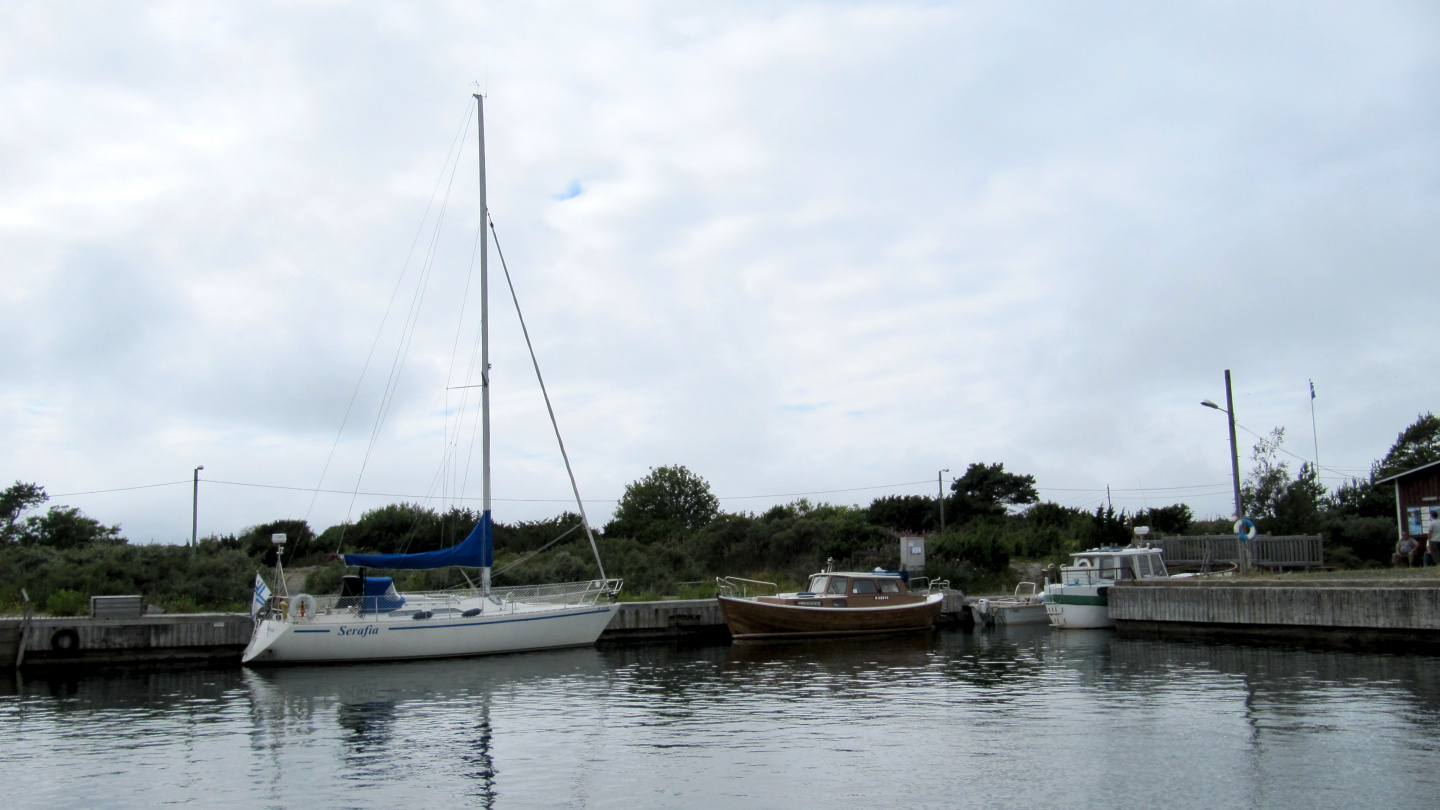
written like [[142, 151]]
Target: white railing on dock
[[1289, 551]]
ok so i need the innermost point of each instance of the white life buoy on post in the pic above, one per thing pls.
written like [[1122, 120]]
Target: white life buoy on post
[[1245, 530]]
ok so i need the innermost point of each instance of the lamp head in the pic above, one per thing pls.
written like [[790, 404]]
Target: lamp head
[[1207, 403]]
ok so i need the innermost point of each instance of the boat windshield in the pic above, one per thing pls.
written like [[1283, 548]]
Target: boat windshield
[[864, 586], [817, 585], [889, 586], [1116, 568], [837, 585], [1157, 566]]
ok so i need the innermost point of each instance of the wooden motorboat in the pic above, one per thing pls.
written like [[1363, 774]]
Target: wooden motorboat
[[835, 603]]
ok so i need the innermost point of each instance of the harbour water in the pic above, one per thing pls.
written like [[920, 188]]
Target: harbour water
[[1019, 718]]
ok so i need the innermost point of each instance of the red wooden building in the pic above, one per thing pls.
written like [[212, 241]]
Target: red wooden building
[[1417, 500]]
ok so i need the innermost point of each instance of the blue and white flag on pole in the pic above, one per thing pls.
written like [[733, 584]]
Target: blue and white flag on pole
[[262, 593]]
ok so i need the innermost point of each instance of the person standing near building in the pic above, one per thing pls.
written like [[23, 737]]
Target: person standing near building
[[1432, 545]]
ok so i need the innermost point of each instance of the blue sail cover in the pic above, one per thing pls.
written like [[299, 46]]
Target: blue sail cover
[[476, 551]]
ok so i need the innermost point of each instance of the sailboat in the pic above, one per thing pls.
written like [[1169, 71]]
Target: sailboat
[[369, 620]]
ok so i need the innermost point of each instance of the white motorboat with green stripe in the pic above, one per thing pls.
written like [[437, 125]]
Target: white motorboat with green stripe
[[1081, 599]]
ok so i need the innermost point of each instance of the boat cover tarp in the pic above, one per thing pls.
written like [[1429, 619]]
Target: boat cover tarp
[[475, 551], [380, 595]]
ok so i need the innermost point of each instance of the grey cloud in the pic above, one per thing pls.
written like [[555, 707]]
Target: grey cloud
[[1021, 234]]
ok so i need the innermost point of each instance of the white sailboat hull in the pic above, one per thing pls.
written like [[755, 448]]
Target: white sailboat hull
[[348, 637]]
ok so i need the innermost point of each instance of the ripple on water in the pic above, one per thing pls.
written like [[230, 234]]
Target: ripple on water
[[1030, 717]]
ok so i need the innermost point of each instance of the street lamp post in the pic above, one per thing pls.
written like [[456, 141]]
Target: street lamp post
[[195, 510], [940, 481], [1229, 410]]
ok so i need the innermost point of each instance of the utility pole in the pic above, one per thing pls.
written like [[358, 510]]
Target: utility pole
[[195, 511], [1234, 448], [1229, 410], [940, 482]]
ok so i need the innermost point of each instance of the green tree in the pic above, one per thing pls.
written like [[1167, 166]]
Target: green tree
[[1417, 445], [987, 490], [1052, 515], [299, 540], [13, 502], [1276, 502], [1173, 519], [396, 528], [667, 502], [1107, 528], [1360, 497], [909, 513], [67, 527]]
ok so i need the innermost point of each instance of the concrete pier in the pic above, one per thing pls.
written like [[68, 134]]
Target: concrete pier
[[72, 641], [1396, 612], [670, 619], [83, 640]]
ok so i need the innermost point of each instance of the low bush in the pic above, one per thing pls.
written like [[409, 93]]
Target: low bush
[[66, 602]]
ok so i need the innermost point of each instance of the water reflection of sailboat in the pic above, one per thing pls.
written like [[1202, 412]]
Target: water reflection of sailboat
[[385, 715]]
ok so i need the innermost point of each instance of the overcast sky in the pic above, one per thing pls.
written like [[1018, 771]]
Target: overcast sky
[[796, 247]]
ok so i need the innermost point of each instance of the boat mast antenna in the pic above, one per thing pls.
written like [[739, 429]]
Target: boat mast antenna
[[484, 343]]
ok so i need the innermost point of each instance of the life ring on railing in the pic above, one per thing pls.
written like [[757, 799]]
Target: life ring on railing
[[1084, 563], [302, 609], [1245, 530]]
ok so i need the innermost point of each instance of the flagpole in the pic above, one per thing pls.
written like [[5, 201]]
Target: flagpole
[[1313, 434]]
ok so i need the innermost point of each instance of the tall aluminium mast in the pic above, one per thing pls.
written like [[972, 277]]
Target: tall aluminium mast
[[484, 344]]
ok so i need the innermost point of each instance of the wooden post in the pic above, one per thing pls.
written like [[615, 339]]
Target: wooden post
[[24, 630]]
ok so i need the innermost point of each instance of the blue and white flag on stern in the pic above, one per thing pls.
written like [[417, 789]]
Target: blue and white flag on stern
[[262, 593]]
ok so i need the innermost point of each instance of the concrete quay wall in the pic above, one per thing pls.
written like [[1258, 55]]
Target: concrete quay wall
[[76, 639], [673, 618], [1397, 610], [223, 636]]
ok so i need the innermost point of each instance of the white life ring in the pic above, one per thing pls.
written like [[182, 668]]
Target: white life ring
[[1245, 530], [302, 609], [1084, 563]]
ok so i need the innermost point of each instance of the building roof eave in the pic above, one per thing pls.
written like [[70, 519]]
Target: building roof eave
[[1407, 472]]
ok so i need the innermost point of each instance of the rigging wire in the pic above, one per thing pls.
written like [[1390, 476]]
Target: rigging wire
[[404, 269], [563, 535], [580, 504], [407, 335]]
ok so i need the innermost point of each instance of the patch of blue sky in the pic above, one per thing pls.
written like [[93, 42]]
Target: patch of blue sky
[[571, 191]]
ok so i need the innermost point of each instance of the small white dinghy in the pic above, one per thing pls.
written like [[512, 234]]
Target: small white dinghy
[[1025, 606]]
